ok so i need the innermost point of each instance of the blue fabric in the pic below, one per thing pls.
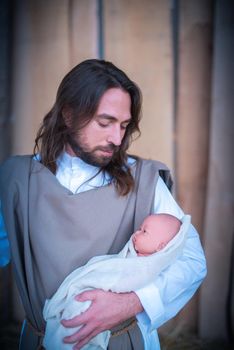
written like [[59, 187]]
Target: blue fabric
[[5, 255]]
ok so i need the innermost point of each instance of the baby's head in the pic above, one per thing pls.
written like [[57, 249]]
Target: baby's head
[[155, 232]]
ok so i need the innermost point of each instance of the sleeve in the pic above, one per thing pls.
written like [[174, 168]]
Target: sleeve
[[4, 243], [173, 288]]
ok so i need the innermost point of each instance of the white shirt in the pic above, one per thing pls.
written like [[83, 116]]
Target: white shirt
[[172, 289]]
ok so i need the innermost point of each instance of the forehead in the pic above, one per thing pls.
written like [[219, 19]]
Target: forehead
[[150, 221], [115, 103]]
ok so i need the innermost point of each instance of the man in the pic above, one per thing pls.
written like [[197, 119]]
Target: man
[[81, 195]]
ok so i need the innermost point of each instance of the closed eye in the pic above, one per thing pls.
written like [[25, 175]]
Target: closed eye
[[124, 126], [102, 125]]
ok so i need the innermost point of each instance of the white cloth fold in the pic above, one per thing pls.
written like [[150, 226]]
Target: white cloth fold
[[123, 272]]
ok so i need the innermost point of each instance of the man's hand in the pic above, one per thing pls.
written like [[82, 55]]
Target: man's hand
[[107, 310]]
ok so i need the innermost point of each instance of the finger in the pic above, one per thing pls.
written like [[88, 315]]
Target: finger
[[81, 334], [75, 321], [73, 338], [84, 341], [87, 295]]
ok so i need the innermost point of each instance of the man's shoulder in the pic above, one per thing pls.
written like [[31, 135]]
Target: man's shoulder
[[17, 159], [155, 164], [153, 167], [15, 163]]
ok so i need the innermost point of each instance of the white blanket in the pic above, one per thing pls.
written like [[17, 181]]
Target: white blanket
[[108, 272]]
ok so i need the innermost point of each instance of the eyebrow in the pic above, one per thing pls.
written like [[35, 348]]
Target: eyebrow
[[110, 117]]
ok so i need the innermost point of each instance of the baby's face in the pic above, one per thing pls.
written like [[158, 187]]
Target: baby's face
[[145, 240]]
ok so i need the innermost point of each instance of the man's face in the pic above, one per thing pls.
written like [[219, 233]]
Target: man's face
[[97, 142]]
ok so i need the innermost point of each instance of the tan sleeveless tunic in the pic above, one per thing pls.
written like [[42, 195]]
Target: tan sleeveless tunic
[[53, 231]]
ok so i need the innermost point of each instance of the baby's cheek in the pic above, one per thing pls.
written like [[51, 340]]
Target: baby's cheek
[[149, 246], [141, 242], [138, 243]]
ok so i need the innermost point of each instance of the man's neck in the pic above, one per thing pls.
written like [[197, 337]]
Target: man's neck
[[69, 150]]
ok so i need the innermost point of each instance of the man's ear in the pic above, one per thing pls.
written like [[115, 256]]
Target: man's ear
[[67, 114]]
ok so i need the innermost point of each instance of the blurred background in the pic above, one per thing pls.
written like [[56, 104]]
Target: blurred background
[[181, 54]]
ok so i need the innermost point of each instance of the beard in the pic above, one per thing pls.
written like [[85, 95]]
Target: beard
[[89, 156]]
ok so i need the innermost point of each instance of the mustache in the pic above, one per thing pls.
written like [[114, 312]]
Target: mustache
[[77, 148], [109, 148]]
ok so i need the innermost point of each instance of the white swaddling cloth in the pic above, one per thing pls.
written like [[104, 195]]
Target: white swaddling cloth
[[123, 272]]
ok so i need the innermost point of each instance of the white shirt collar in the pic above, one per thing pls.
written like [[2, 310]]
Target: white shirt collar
[[78, 176], [75, 163]]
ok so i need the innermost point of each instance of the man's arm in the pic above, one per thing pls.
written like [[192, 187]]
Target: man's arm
[[175, 286], [161, 300]]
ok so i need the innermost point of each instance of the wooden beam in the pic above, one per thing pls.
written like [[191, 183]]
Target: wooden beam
[[217, 299], [193, 118], [138, 39]]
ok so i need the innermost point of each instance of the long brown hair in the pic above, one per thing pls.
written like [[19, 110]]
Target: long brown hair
[[80, 91]]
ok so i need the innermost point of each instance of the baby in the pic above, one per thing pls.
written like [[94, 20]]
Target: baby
[[155, 233], [152, 248]]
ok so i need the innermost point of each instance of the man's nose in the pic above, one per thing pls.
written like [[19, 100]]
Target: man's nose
[[115, 136]]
